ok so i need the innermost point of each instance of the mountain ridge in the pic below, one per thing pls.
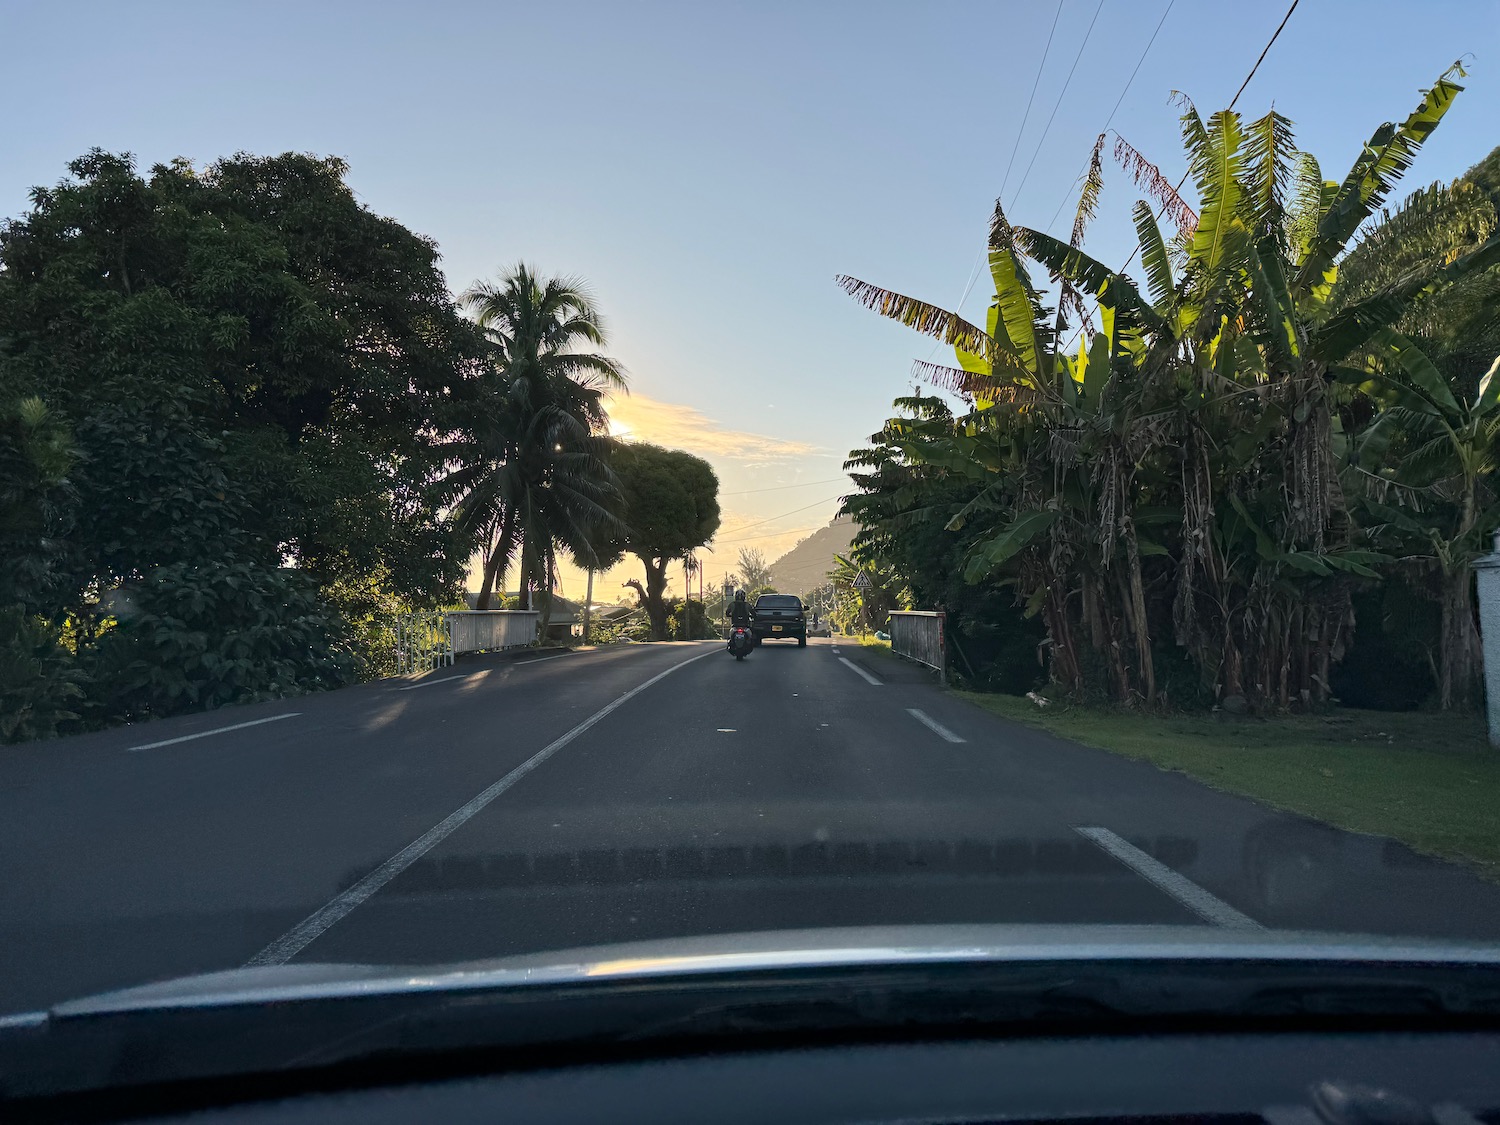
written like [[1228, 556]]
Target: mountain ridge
[[806, 565]]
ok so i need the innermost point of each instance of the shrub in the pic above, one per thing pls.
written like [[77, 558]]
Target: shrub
[[39, 679], [198, 637]]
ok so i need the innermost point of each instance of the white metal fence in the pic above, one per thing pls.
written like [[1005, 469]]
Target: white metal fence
[[425, 641], [918, 635], [491, 629]]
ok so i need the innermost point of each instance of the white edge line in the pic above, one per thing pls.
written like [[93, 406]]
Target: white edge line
[[474, 675], [216, 730], [933, 725], [289, 944], [868, 678], [440, 680], [1184, 890]]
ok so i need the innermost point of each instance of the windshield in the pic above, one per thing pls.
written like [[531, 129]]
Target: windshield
[[1092, 435]]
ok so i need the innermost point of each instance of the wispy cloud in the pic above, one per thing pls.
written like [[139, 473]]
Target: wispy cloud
[[684, 427]]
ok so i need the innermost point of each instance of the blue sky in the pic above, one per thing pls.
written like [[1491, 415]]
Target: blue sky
[[710, 167]]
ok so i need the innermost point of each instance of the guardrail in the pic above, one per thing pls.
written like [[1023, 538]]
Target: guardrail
[[425, 641], [918, 636]]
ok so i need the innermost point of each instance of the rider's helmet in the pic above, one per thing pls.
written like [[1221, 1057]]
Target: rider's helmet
[[739, 595]]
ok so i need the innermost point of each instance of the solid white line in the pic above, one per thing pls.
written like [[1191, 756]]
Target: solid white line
[[216, 730], [533, 660], [933, 725], [869, 678], [441, 680], [289, 944], [1185, 891]]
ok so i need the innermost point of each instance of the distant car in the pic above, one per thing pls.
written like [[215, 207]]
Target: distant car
[[779, 617]]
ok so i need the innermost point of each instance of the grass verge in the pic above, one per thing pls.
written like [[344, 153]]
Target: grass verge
[[1429, 780]]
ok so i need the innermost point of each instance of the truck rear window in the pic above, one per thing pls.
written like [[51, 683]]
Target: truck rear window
[[777, 601]]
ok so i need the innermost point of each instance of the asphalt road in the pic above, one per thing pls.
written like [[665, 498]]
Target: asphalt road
[[490, 808]]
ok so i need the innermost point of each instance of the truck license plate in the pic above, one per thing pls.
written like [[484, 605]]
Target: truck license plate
[[775, 628]]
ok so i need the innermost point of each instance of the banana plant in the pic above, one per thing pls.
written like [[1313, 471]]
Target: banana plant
[[1448, 446], [1245, 317]]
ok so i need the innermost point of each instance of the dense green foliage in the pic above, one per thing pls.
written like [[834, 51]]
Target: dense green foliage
[[195, 636], [1280, 415], [244, 426], [220, 391]]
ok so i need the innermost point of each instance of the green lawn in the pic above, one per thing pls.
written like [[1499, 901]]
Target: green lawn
[[1429, 780]]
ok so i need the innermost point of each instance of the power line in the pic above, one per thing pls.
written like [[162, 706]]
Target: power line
[[781, 487], [1274, 36], [1025, 117], [1041, 66], [793, 512], [1058, 104], [1062, 202], [772, 535], [1162, 210]]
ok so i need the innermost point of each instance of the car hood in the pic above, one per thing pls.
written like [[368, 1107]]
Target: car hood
[[732, 988], [851, 947]]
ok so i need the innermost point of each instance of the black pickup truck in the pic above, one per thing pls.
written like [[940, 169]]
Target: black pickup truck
[[779, 617]]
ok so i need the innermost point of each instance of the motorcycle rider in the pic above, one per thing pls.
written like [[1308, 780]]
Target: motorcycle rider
[[739, 610]]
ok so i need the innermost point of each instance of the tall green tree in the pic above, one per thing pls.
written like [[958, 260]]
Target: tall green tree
[[530, 472], [671, 508], [253, 371], [303, 346]]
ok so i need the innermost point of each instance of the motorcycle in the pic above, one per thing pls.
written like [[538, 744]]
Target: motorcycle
[[740, 641]]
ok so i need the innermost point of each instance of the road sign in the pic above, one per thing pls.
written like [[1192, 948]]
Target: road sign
[[863, 581]]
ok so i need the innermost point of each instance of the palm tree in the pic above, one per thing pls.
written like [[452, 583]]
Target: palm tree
[[530, 470], [754, 571]]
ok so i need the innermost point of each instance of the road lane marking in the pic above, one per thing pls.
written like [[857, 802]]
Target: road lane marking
[[289, 944], [216, 730], [443, 680], [868, 678], [1184, 890], [933, 725]]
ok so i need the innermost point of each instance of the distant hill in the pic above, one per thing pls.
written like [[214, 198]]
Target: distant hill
[[807, 564]]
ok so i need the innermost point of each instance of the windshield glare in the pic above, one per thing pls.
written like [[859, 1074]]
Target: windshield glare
[[774, 472]]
